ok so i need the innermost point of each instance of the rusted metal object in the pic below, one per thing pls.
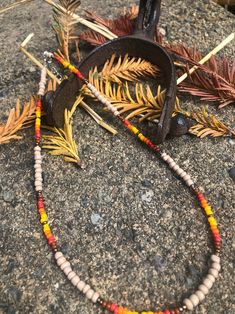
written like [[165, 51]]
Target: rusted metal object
[[140, 45]]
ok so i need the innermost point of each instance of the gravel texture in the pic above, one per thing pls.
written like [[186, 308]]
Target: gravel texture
[[126, 222]]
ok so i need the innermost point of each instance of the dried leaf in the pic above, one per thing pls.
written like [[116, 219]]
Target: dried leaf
[[63, 25], [17, 120], [61, 143], [208, 125]]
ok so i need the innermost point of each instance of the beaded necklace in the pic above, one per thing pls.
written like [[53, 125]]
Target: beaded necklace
[[194, 299]]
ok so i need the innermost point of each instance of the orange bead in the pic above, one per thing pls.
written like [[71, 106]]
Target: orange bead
[[120, 310]]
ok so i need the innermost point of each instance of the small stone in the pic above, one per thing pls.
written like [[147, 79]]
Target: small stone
[[147, 196], [10, 266], [96, 219], [15, 294], [231, 173], [8, 196], [159, 263], [146, 183]]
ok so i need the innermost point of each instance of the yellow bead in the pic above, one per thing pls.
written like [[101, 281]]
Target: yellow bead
[[212, 221], [46, 227], [208, 210], [135, 130], [43, 218]]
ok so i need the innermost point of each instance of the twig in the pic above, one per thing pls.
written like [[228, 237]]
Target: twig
[[14, 5], [98, 28], [33, 59], [98, 119], [207, 57]]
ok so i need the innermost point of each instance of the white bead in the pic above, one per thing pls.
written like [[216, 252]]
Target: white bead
[[67, 270], [183, 174], [38, 176], [216, 266], [65, 264], [61, 260], [194, 299], [58, 255], [38, 182], [212, 278], [100, 97], [179, 171], [200, 295], [169, 160], [116, 113], [96, 93], [215, 259], [163, 154], [203, 289], [38, 161], [188, 304], [176, 167], [81, 285], [38, 157], [187, 177], [71, 275], [213, 272], [89, 85], [164, 157], [37, 148], [208, 283], [189, 182], [86, 288], [75, 280], [90, 293], [38, 188], [172, 164], [37, 153], [37, 166], [107, 103], [95, 297]]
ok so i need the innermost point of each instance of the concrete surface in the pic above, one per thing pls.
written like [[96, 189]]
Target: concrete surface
[[126, 222]]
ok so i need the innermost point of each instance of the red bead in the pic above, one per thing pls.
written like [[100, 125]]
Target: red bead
[[167, 312], [113, 307], [51, 239]]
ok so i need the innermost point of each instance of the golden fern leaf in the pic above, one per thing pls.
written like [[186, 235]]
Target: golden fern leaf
[[142, 102], [208, 125], [62, 143], [63, 25], [129, 69], [17, 120]]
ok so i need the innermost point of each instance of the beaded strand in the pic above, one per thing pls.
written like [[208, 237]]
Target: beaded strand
[[194, 299]]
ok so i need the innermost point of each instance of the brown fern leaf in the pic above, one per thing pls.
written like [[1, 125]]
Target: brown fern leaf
[[63, 25], [17, 120], [214, 81], [208, 125], [124, 25]]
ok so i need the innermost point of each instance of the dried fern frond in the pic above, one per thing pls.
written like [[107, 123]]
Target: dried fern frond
[[62, 143], [123, 25], [64, 22], [208, 125], [213, 81], [126, 68], [143, 101], [17, 120]]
